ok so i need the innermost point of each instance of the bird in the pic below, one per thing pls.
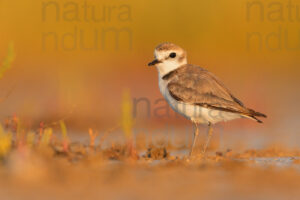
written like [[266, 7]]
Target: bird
[[196, 93]]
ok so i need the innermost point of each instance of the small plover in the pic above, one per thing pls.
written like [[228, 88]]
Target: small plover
[[196, 93]]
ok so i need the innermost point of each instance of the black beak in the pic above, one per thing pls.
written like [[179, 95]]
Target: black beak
[[154, 62]]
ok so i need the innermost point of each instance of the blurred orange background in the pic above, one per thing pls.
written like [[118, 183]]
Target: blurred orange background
[[246, 44]]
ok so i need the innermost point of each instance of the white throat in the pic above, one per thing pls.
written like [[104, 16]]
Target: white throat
[[166, 67]]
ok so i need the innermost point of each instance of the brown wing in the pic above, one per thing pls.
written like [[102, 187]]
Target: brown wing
[[194, 85]]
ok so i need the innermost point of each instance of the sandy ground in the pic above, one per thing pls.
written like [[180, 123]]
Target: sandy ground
[[158, 173]]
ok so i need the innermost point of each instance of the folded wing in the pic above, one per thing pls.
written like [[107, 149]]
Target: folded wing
[[195, 85]]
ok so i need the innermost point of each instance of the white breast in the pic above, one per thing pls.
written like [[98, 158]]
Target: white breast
[[195, 113]]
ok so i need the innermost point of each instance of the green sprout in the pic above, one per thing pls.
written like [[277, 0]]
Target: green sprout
[[8, 60]]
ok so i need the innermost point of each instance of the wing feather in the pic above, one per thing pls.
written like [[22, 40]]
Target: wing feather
[[195, 85]]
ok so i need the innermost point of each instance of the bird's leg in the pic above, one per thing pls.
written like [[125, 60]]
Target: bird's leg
[[210, 132], [196, 133]]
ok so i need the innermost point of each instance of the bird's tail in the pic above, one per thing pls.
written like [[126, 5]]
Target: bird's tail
[[252, 114]]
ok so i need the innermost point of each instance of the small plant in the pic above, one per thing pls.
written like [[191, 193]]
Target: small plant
[[65, 138], [127, 124], [8, 60], [46, 138], [93, 135], [5, 142], [127, 119]]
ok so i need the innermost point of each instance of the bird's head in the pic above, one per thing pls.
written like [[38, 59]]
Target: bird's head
[[168, 57]]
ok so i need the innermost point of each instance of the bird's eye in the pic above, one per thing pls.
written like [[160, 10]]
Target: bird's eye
[[172, 55]]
